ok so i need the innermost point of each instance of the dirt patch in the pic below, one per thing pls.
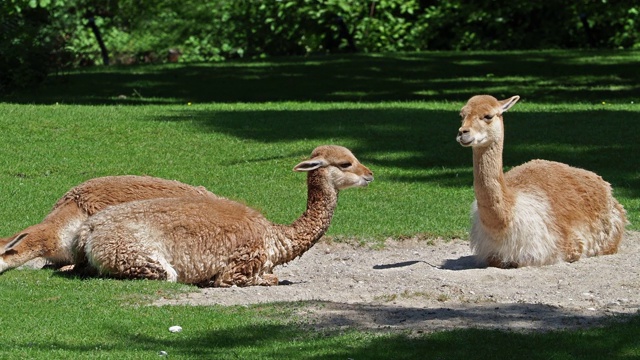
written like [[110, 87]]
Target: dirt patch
[[422, 287]]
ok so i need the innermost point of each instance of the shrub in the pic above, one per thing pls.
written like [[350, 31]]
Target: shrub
[[26, 48]]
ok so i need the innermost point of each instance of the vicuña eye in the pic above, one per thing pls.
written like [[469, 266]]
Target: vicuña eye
[[488, 117], [345, 165]]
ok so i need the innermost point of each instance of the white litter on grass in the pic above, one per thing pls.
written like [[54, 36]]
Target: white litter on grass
[[163, 353], [175, 329]]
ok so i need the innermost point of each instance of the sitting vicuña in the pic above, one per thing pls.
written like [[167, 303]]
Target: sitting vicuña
[[538, 213], [215, 242]]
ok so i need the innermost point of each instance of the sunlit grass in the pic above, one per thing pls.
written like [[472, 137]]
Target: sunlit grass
[[246, 152]]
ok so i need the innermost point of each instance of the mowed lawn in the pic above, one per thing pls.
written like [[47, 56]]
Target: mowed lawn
[[238, 128]]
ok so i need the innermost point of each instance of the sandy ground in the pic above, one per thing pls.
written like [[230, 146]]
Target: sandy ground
[[419, 287]]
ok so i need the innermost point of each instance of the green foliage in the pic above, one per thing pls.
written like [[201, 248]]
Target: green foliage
[[26, 45], [46, 35], [628, 29]]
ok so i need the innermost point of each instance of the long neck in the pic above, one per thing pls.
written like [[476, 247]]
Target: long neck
[[322, 199], [495, 200]]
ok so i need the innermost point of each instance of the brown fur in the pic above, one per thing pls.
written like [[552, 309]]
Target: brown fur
[[52, 237], [538, 212], [586, 199], [215, 242]]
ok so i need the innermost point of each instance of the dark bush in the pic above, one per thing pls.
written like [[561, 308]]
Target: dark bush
[[26, 48]]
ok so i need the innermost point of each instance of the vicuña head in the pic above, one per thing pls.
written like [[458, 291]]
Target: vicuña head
[[538, 213], [51, 239], [215, 242]]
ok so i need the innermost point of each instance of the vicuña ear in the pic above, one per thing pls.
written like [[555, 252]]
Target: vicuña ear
[[309, 165], [13, 243], [506, 104]]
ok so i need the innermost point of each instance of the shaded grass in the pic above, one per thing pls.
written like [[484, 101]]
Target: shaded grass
[[62, 318], [539, 76]]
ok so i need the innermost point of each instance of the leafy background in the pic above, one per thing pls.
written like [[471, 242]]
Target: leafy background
[[43, 36]]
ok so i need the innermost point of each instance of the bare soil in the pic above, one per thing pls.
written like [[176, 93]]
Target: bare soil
[[425, 286]]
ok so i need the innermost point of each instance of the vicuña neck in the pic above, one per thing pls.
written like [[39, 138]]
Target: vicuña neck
[[300, 236], [495, 200]]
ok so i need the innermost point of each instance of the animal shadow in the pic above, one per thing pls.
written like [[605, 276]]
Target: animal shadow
[[397, 265], [462, 263]]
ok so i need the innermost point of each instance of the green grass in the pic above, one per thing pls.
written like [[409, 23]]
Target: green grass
[[238, 128], [246, 152], [48, 316]]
